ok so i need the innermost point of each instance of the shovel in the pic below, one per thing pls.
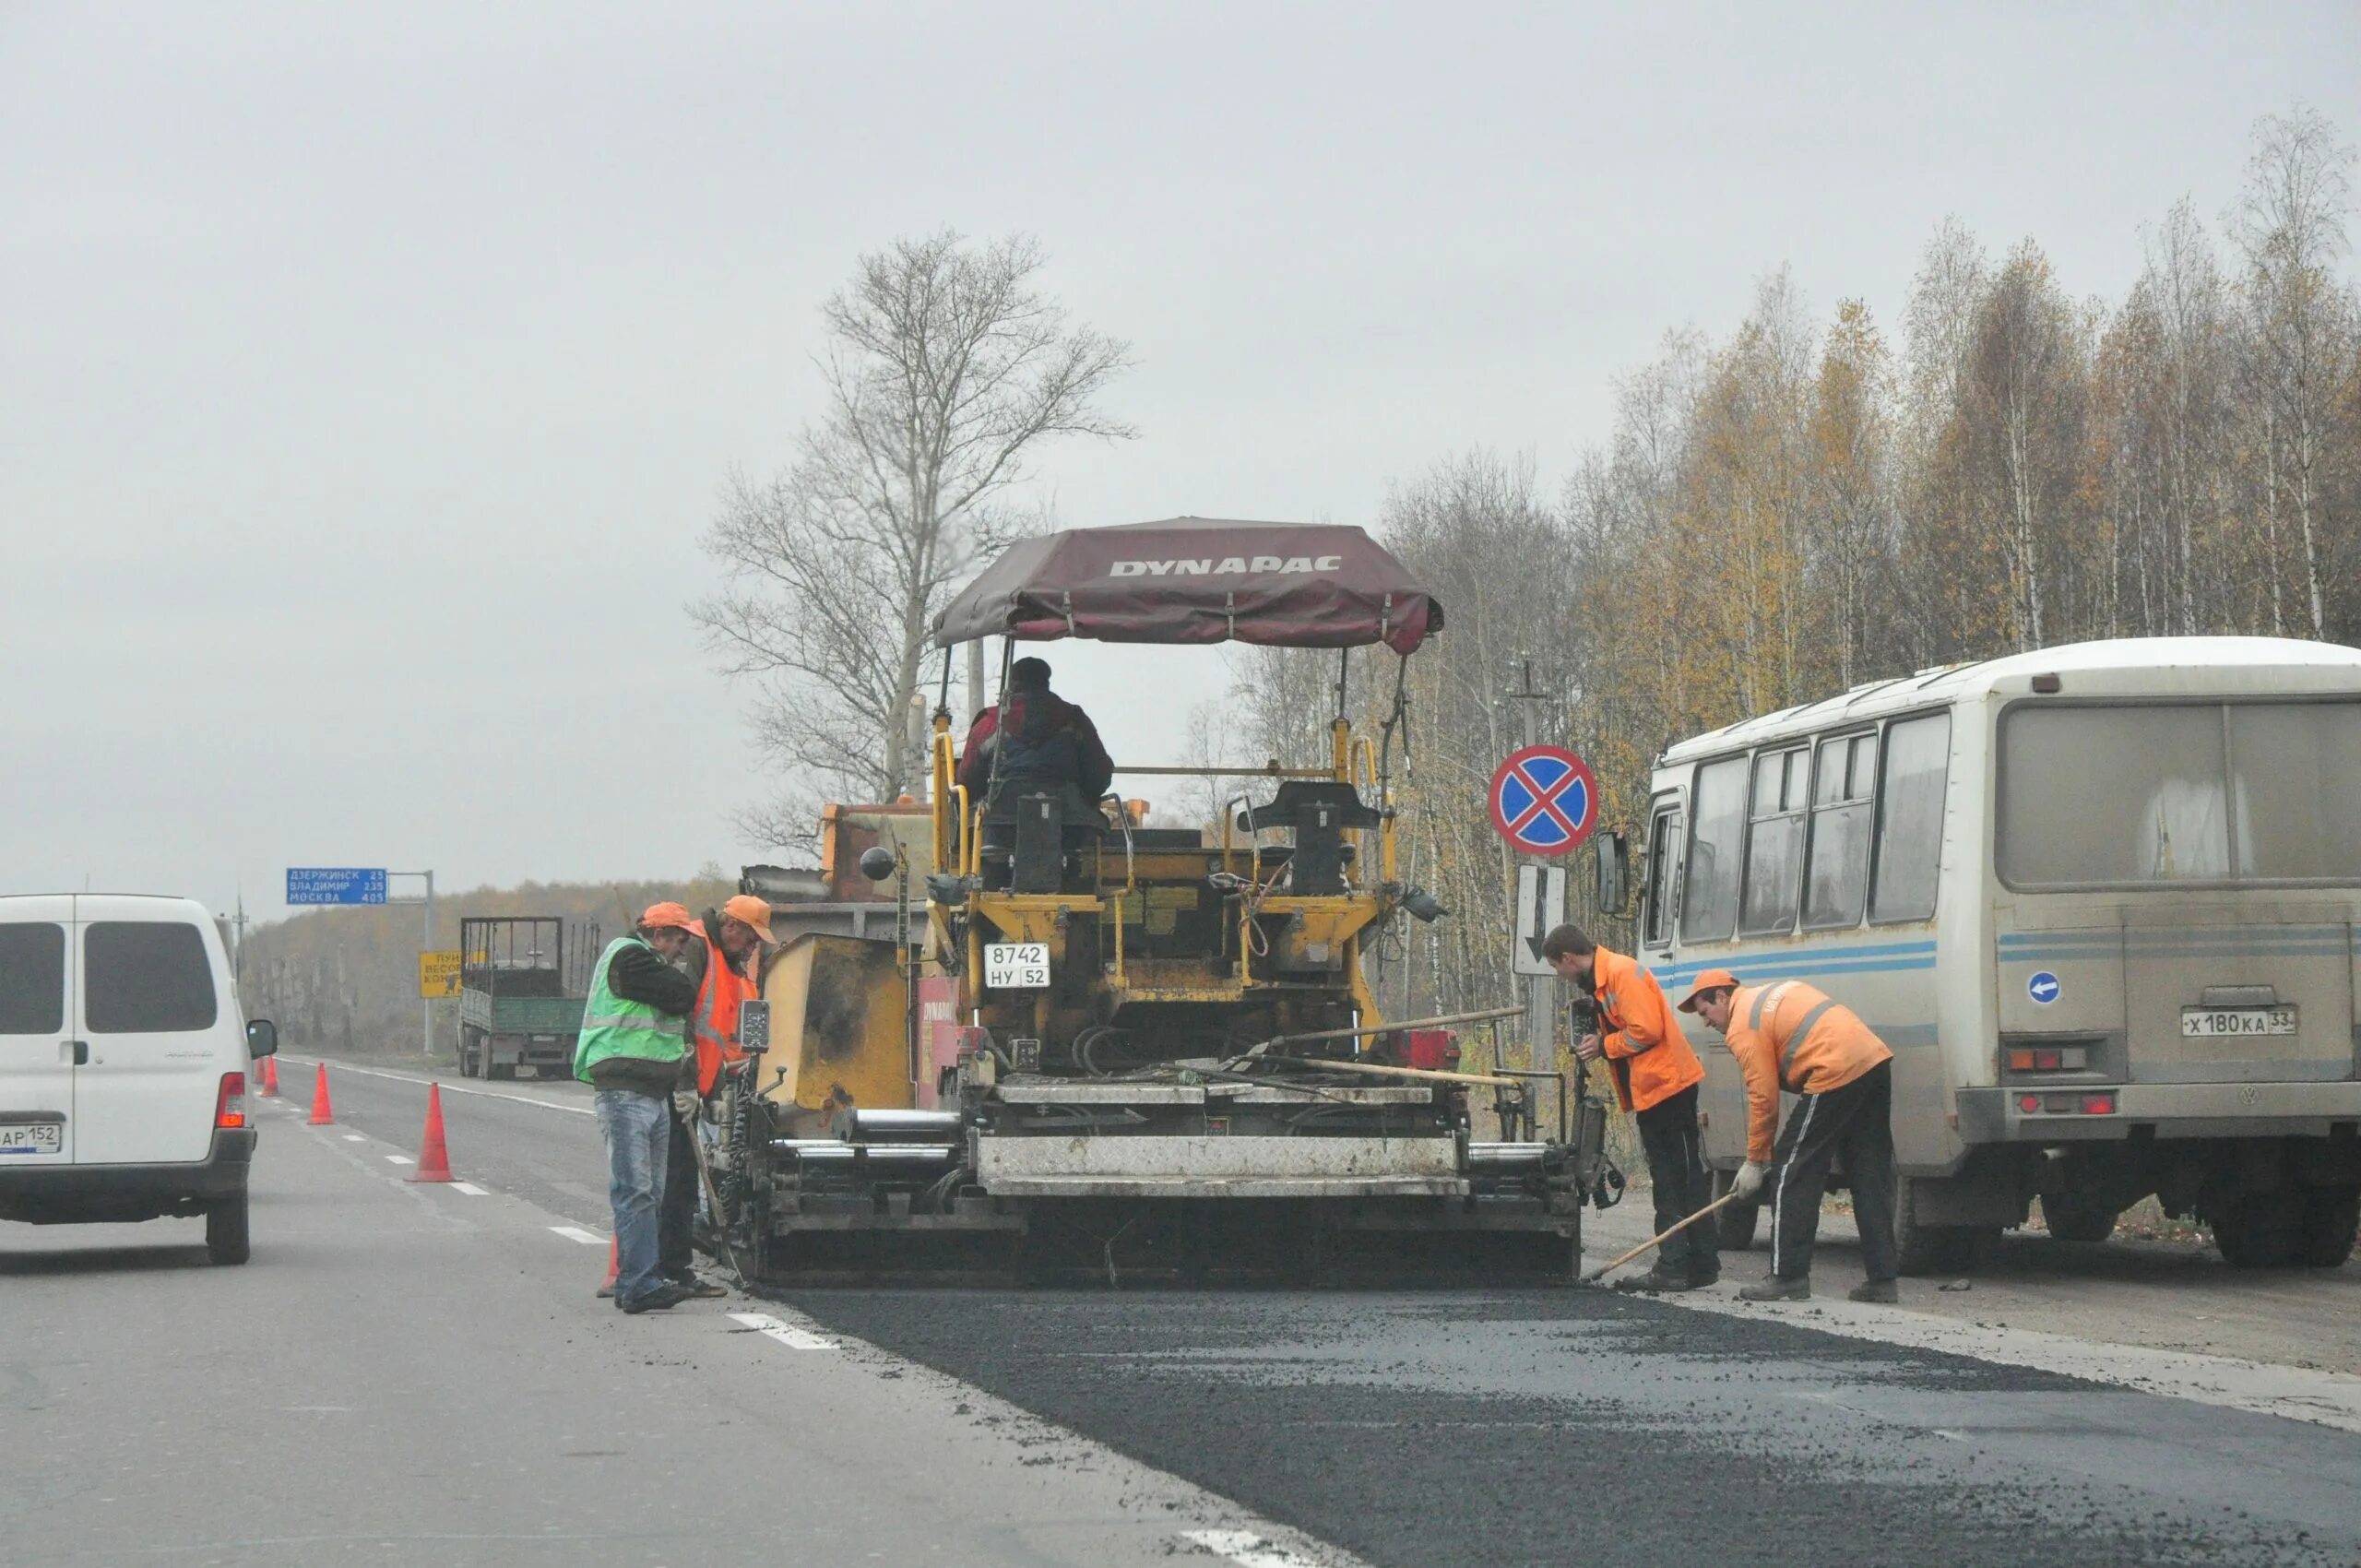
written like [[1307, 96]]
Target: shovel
[[1593, 1275]]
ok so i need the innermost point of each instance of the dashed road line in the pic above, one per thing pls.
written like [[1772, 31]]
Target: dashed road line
[[461, 1088], [794, 1338], [1246, 1548], [399, 1160], [576, 1234], [354, 1139], [470, 1189]]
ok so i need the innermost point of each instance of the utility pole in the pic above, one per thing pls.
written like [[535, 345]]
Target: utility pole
[[1541, 992]]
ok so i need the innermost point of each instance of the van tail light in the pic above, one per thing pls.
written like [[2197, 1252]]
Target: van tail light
[[229, 1110], [2098, 1102]]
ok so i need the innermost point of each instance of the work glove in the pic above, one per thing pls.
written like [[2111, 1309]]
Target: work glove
[[1748, 1182], [686, 1104]]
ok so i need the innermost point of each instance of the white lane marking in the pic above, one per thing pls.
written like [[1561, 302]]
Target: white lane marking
[[459, 1089], [470, 1189], [399, 1160], [1246, 1548], [795, 1338], [354, 1139], [576, 1234]]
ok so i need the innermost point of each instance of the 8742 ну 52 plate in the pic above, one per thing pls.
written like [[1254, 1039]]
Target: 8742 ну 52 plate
[[2205, 1023], [1016, 966]]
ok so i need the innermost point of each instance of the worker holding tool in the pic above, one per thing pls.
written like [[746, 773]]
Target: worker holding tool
[[1655, 1078], [633, 1041], [722, 957], [1788, 1036]]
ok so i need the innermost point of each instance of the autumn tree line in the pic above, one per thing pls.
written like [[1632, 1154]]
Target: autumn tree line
[[1817, 499]]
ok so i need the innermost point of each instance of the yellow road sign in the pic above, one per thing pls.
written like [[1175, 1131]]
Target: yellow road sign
[[438, 973]]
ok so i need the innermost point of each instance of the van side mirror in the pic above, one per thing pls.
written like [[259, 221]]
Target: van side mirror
[[1614, 851], [262, 1038]]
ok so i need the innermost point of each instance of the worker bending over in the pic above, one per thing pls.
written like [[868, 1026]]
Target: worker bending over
[[1788, 1036], [1655, 1078], [724, 959], [634, 1039]]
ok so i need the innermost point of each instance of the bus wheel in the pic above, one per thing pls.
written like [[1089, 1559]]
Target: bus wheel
[[1922, 1250], [1734, 1226], [2077, 1220], [2332, 1215], [2262, 1230]]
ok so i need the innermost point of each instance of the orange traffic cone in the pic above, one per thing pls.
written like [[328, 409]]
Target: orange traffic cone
[[434, 1159], [270, 1078], [615, 1265], [323, 1113]]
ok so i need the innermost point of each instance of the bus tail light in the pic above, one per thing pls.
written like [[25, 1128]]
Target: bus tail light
[[2081, 1102]]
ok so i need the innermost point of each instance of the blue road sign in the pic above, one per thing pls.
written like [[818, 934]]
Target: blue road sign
[[336, 885], [1544, 801], [2043, 988]]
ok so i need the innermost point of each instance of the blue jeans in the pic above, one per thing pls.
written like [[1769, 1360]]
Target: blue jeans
[[639, 1129]]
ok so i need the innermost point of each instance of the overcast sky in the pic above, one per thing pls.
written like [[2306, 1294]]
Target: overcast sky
[[367, 371]]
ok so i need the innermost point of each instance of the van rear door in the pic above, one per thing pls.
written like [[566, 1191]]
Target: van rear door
[[2246, 1000], [152, 1014], [37, 1042]]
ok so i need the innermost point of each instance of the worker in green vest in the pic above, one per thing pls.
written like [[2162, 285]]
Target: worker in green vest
[[634, 1045]]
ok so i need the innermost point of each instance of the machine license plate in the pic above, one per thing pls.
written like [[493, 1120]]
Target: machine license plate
[[32, 1137], [2205, 1023], [1016, 966]]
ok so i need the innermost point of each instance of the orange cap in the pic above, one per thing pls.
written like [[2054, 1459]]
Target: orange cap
[[660, 916], [745, 907], [1709, 979]]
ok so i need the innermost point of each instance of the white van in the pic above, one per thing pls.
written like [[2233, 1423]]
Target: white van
[[122, 1065]]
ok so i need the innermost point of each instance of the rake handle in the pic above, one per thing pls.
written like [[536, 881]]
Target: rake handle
[[1593, 1277]]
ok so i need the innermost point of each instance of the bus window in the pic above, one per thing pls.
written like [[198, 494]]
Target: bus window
[[2295, 770], [2167, 804], [1838, 881], [1910, 818], [1709, 894], [1664, 854], [1774, 842]]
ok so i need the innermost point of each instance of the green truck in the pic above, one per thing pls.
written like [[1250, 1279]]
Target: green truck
[[522, 982]]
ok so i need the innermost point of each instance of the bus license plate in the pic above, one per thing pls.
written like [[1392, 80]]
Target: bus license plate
[[1016, 966], [32, 1137], [2207, 1023]]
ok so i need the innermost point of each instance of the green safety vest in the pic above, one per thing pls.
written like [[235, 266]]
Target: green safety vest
[[613, 1027]]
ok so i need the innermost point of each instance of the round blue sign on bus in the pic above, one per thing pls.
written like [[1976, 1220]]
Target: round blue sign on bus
[[2043, 988]]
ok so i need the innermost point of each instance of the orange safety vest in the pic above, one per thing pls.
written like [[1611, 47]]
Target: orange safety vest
[[713, 1023], [1791, 1036], [1646, 1052]]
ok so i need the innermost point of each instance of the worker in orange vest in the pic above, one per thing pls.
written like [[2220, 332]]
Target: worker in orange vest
[[724, 958], [1655, 1078], [1788, 1036]]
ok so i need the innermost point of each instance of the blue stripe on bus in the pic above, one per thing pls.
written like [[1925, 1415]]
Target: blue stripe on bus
[[2210, 950], [2335, 934]]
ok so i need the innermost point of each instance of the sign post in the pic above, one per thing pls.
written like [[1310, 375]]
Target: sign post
[[1544, 802], [366, 885]]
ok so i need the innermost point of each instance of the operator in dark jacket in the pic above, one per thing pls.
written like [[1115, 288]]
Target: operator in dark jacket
[[1044, 741], [631, 1051]]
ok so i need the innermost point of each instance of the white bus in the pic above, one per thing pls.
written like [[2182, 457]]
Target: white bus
[[2103, 901]]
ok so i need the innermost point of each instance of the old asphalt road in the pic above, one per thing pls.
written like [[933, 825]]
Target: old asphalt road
[[409, 1373]]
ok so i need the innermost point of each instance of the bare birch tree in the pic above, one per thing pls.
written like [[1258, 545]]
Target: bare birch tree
[[944, 366], [2290, 224]]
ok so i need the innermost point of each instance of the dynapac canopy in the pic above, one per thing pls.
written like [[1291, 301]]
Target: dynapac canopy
[[1197, 580]]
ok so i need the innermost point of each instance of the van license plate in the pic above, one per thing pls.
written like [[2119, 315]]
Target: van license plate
[[1016, 966], [32, 1137], [2205, 1023]]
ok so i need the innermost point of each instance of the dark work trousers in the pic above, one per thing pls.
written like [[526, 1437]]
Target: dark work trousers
[[1684, 1185], [674, 1253], [1856, 1122]]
